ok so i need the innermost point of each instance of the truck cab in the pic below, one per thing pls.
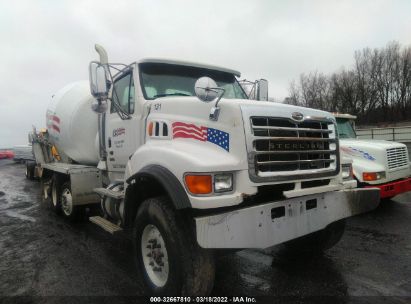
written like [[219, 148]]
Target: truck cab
[[376, 163]]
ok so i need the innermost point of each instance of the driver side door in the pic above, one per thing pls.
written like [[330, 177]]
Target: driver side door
[[122, 126]]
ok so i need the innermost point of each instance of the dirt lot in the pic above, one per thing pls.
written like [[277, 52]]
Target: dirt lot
[[41, 254]]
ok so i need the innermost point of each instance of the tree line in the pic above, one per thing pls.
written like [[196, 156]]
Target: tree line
[[377, 88]]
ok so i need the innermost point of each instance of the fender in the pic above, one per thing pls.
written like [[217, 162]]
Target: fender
[[162, 177]]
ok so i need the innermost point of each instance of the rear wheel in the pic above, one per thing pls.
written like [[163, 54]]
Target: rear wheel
[[30, 166], [167, 253], [317, 242], [55, 204], [66, 202]]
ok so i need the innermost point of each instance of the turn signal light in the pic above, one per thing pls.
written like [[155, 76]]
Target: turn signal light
[[369, 176], [372, 176], [199, 184]]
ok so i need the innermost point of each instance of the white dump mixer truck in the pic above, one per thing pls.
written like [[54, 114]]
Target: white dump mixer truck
[[177, 154]]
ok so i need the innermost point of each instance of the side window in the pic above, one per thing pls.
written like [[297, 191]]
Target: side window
[[123, 94]]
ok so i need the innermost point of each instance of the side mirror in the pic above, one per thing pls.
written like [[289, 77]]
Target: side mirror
[[262, 90], [206, 89], [98, 81]]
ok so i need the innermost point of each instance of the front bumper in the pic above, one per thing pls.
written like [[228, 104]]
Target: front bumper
[[394, 188], [273, 223]]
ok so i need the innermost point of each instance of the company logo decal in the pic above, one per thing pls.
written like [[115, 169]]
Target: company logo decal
[[297, 116], [118, 132], [282, 146], [215, 136], [357, 152], [53, 122]]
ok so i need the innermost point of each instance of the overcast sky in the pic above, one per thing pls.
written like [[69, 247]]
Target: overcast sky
[[48, 44]]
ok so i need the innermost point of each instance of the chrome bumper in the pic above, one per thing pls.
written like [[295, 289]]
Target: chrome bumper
[[273, 223]]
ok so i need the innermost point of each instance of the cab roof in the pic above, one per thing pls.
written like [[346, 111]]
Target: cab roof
[[192, 64]]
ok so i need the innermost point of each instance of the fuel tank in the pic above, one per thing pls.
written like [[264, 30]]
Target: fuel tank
[[72, 125]]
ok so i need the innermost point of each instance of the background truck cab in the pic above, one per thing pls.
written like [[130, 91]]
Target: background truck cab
[[376, 163]]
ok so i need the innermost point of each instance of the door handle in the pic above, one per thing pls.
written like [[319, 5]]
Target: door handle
[[109, 142]]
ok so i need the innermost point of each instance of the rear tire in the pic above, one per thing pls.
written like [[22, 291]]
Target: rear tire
[[317, 242], [69, 210], [55, 204], [167, 253], [30, 166]]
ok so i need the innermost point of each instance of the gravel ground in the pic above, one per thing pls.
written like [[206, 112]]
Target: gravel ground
[[42, 255]]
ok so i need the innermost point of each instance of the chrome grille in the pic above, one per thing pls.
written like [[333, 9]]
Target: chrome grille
[[298, 150], [397, 157]]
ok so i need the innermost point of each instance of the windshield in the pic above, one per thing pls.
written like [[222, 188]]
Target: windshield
[[345, 129], [159, 80]]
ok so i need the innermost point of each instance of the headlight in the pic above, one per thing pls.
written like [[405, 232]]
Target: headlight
[[372, 176], [223, 182], [347, 172]]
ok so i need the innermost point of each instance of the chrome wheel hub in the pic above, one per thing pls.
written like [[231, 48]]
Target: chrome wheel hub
[[54, 195], [66, 202], [155, 256]]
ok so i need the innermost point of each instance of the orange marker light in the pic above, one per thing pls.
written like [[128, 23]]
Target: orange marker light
[[199, 184], [369, 176], [150, 128]]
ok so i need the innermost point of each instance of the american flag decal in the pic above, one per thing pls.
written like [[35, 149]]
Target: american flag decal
[[215, 136]]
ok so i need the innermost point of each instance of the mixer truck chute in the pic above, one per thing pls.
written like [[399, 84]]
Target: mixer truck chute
[[189, 166]]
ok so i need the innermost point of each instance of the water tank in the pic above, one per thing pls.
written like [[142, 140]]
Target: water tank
[[72, 125]]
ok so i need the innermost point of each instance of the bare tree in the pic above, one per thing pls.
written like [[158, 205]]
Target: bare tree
[[377, 88]]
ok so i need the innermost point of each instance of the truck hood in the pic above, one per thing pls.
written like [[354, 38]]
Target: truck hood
[[367, 149], [376, 156], [371, 144], [234, 125], [278, 109], [269, 108]]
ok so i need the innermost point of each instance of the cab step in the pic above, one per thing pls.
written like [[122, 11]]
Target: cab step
[[105, 224], [109, 193]]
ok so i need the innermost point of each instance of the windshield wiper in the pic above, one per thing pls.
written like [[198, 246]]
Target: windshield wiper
[[171, 94]]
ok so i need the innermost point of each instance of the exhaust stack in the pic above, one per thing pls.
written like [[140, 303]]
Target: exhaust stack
[[102, 53]]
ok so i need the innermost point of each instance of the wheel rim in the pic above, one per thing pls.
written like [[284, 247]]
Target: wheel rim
[[54, 195], [45, 194], [155, 258], [66, 202]]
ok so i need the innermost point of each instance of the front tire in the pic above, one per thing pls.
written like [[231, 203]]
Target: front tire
[[167, 253], [317, 242]]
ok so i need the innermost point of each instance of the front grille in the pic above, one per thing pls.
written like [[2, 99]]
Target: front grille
[[280, 145], [397, 157]]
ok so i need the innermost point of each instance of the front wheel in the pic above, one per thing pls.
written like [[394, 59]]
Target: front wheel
[[167, 253], [317, 242]]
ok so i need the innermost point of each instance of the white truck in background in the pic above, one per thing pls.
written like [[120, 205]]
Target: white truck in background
[[176, 153], [376, 163]]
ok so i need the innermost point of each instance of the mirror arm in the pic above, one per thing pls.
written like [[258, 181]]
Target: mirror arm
[[215, 111], [123, 115]]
